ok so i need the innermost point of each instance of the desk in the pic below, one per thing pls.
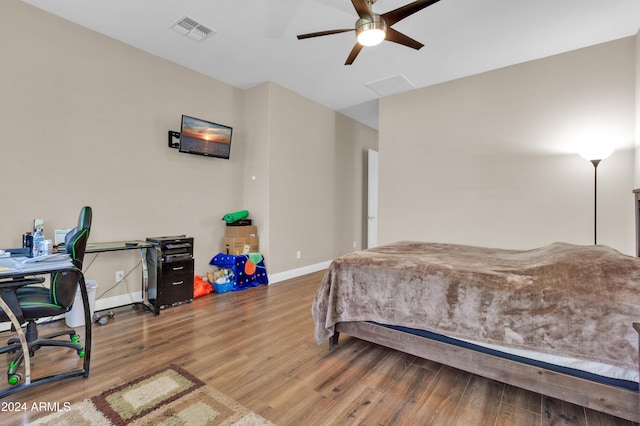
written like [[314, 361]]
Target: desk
[[142, 246], [128, 245], [44, 269]]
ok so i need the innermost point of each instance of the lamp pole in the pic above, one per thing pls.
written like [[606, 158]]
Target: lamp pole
[[595, 200], [595, 153]]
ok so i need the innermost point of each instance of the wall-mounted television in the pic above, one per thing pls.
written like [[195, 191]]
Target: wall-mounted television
[[203, 137]]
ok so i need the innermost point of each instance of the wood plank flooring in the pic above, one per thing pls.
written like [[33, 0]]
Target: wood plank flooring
[[257, 346]]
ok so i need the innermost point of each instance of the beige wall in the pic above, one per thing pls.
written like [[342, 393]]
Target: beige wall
[[352, 144], [482, 160], [314, 178], [492, 159], [257, 162], [84, 120]]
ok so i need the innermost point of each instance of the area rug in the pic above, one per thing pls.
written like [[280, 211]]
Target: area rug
[[169, 397]]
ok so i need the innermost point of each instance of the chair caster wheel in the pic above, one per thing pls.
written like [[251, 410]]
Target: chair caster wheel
[[14, 379], [102, 319]]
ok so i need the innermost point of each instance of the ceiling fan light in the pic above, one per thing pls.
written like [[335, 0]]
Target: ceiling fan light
[[371, 37], [370, 32]]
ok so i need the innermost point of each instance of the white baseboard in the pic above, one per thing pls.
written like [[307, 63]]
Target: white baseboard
[[294, 273], [136, 297], [115, 301], [100, 305]]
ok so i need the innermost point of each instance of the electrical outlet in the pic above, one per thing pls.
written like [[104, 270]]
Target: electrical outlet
[[298, 254], [119, 276]]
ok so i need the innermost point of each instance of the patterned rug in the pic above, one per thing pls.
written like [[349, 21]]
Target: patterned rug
[[170, 397]]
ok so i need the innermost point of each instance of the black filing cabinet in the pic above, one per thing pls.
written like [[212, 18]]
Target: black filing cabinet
[[170, 264]]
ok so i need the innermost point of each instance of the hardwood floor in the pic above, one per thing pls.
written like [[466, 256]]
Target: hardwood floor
[[257, 347]]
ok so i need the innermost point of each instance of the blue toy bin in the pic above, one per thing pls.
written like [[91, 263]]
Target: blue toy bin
[[223, 288]]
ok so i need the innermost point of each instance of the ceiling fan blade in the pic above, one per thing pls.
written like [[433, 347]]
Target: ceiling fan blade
[[398, 37], [323, 33], [362, 7], [408, 9], [354, 52]]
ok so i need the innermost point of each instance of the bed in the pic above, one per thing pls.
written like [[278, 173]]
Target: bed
[[557, 320]]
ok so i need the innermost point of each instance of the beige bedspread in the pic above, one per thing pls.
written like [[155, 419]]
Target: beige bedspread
[[563, 299]]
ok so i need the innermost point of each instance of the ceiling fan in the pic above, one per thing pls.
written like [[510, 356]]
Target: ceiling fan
[[372, 29]]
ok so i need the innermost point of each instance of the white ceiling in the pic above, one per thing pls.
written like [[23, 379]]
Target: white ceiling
[[255, 40]]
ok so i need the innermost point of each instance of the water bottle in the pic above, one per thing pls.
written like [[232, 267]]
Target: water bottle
[[38, 243]]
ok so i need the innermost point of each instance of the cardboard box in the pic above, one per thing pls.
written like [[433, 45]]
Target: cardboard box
[[241, 231], [237, 245]]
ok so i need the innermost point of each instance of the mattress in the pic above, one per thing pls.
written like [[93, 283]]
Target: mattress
[[588, 370]]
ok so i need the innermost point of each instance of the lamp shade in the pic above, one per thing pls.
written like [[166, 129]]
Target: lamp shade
[[595, 152]]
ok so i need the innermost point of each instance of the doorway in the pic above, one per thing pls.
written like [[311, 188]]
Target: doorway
[[372, 198]]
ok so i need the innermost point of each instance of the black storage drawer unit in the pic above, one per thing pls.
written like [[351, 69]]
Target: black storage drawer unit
[[177, 280], [170, 271], [178, 268]]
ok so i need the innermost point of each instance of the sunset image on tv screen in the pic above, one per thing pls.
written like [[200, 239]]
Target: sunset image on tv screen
[[211, 132], [205, 138]]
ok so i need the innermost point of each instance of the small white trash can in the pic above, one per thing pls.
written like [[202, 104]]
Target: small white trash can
[[75, 316]]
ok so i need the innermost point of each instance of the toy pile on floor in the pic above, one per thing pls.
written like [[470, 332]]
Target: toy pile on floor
[[238, 272], [239, 266]]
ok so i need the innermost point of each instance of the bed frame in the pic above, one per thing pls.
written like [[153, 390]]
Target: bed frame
[[600, 397]]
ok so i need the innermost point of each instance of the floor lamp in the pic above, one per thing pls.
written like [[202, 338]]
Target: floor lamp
[[595, 155]]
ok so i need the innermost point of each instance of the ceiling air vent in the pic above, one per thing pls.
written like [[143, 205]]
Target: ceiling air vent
[[391, 85], [192, 28]]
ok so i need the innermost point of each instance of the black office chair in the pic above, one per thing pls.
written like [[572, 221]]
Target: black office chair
[[76, 250], [30, 303]]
